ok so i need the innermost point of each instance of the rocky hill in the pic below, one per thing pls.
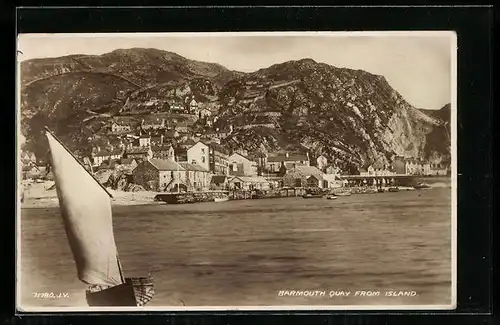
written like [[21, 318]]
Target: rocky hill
[[351, 116]]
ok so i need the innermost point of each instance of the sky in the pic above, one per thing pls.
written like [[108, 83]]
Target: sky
[[419, 65]]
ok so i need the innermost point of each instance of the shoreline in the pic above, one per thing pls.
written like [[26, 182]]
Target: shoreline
[[147, 198]]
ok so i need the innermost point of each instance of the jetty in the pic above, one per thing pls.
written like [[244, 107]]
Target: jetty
[[396, 180]]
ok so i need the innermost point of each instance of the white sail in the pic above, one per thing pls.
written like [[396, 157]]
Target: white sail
[[86, 210]]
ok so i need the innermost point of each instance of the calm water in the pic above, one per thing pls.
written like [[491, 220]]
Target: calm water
[[244, 252]]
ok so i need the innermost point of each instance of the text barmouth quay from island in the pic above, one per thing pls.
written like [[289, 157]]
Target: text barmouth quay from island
[[333, 293]]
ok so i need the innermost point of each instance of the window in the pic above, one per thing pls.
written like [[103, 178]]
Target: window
[[193, 162], [298, 182], [203, 159]]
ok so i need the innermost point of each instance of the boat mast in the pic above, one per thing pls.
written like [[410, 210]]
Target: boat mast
[[120, 268]]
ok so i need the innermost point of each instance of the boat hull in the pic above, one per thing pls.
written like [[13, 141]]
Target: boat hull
[[312, 196], [135, 292]]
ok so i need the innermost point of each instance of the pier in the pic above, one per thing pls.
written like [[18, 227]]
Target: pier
[[380, 180]]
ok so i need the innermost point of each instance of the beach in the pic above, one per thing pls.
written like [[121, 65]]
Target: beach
[[44, 195]]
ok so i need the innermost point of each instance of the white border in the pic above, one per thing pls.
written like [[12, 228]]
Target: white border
[[454, 170]]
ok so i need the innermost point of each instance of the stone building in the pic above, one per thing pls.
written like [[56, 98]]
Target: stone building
[[304, 176], [160, 175]]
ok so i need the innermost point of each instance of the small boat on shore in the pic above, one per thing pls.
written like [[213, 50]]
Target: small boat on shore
[[331, 197], [393, 189], [221, 199]]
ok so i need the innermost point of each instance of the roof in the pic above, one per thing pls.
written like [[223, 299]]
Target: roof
[[307, 170], [250, 179], [28, 168], [241, 155], [165, 164], [138, 150], [218, 179], [219, 148], [195, 143], [145, 136], [126, 161], [164, 147], [281, 158], [103, 166], [192, 167]]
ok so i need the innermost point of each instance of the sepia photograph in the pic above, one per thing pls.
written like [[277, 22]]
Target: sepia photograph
[[236, 171]]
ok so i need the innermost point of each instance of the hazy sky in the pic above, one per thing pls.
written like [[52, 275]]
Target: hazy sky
[[418, 66]]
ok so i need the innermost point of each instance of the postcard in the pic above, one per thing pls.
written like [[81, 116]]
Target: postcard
[[276, 171]]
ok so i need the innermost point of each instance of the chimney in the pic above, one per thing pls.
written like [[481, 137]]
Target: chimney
[[287, 155], [161, 139], [98, 149]]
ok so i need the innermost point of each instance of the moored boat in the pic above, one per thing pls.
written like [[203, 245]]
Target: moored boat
[[331, 197], [393, 189], [86, 212], [221, 199], [312, 196], [343, 194]]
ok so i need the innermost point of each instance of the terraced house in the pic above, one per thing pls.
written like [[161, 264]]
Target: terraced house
[[290, 161], [218, 159], [101, 155]]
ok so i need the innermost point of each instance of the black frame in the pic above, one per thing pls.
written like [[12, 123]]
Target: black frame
[[474, 27]]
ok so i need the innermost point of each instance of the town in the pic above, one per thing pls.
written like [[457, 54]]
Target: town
[[170, 152]]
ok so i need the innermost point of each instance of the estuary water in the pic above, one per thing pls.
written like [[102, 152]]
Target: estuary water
[[250, 252]]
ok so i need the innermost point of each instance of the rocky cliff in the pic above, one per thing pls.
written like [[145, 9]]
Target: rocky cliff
[[351, 116]]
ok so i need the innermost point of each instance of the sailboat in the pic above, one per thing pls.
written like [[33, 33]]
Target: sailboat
[[86, 212]]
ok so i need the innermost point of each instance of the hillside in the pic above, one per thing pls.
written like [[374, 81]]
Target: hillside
[[351, 116]]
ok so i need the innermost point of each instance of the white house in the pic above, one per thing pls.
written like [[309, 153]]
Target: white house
[[240, 165], [321, 162], [144, 141], [198, 154]]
